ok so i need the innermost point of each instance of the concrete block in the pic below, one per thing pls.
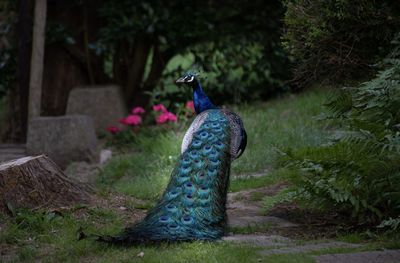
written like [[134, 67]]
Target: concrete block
[[64, 139], [103, 103]]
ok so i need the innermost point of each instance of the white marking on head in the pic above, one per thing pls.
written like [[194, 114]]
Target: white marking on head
[[191, 78]]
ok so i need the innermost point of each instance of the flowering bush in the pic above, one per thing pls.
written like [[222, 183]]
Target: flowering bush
[[113, 129], [138, 110], [160, 113], [131, 120], [190, 106], [159, 108], [166, 117]]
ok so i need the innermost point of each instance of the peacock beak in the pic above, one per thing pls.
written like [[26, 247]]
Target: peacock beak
[[180, 80]]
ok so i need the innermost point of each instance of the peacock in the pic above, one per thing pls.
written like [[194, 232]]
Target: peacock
[[193, 206]]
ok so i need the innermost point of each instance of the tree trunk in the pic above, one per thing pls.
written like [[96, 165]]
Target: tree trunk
[[129, 67], [158, 64], [68, 65], [16, 117], [35, 85], [37, 183]]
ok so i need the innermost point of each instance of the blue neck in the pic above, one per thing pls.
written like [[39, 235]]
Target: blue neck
[[200, 100]]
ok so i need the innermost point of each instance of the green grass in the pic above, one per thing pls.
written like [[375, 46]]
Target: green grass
[[269, 202], [278, 124], [281, 123], [145, 173], [240, 184], [53, 237]]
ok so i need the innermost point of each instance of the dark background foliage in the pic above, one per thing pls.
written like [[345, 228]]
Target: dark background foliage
[[338, 40], [358, 172]]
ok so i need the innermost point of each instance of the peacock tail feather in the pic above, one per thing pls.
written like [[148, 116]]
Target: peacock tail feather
[[193, 204]]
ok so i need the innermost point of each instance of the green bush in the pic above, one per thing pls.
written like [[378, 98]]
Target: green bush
[[359, 171], [231, 71], [338, 39]]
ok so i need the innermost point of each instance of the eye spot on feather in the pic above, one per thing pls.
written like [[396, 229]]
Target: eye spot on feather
[[173, 226], [204, 135], [194, 154], [212, 172], [196, 143], [186, 219], [214, 163], [164, 218], [213, 155], [185, 170], [172, 194]]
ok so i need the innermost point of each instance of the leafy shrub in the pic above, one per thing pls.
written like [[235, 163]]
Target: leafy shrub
[[237, 46], [359, 171], [338, 39], [231, 71]]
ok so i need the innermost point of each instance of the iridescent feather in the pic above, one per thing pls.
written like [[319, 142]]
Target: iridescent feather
[[193, 206]]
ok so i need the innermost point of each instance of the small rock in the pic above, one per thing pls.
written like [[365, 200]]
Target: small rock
[[123, 208], [105, 155], [140, 255]]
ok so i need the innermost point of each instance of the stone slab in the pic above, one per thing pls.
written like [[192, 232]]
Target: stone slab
[[308, 247], [10, 152], [260, 240], [386, 256], [103, 103], [64, 139]]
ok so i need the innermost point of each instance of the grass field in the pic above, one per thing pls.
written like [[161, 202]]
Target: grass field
[[278, 124], [143, 174]]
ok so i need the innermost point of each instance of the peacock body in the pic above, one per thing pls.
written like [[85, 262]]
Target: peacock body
[[193, 206]]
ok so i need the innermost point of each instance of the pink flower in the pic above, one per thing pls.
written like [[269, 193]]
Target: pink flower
[[190, 106], [161, 118], [113, 129], [165, 117], [132, 120], [159, 107], [171, 117], [138, 110]]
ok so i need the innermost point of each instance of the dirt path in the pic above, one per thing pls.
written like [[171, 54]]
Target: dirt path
[[278, 235]]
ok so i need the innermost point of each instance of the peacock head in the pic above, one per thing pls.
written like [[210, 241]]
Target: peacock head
[[188, 79]]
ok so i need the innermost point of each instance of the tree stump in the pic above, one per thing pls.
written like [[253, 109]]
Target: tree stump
[[38, 183]]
